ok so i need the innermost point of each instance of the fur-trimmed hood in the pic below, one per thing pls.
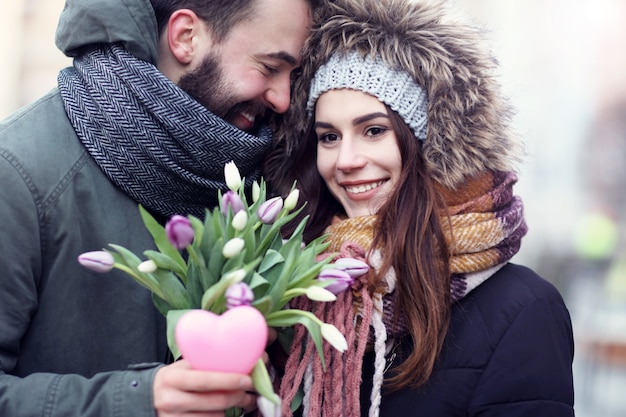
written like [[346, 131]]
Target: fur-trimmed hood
[[468, 118]]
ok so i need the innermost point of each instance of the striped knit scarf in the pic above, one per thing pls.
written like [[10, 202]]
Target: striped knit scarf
[[484, 232], [150, 138]]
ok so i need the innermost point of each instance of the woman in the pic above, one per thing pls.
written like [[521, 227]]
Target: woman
[[408, 163]]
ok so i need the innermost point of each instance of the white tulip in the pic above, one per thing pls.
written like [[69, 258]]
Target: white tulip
[[240, 220], [233, 247], [256, 191], [316, 293], [333, 336], [292, 199], [232, 176], [147, 267]]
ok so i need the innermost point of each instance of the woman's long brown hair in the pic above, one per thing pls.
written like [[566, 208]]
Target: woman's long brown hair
[[409, 235]]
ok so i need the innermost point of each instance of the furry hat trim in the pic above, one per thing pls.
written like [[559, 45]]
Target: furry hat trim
[[468, 118]]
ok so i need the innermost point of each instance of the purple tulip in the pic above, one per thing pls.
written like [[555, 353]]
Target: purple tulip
[[269, 210], [238, 295], [353, 267], [97, 261], [231, 199], [342, 280], [179, 231]]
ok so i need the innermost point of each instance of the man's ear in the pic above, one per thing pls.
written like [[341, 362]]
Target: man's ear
[[185, 34]]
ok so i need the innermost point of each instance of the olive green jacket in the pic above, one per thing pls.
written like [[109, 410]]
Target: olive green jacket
[[72, 342]]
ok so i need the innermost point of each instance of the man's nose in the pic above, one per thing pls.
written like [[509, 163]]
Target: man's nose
[[278, 94]]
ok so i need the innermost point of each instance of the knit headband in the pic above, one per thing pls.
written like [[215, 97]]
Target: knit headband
[[395, 88]]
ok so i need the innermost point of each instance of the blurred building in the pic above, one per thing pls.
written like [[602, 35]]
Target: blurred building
[[30, 60]]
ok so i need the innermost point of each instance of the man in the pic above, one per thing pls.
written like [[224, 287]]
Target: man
[[149, 114]]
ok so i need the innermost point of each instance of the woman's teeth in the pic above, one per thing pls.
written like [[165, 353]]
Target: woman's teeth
[[357, 189]]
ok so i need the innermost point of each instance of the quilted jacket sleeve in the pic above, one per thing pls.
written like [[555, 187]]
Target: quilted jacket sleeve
[[530, 371]]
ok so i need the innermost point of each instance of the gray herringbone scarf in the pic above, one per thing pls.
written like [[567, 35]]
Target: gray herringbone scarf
[[150, 138]]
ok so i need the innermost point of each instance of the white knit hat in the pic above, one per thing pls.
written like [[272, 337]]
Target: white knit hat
[[395, 88]]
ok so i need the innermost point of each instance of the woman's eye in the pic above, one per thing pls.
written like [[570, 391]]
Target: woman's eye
[[327, 138], [375, 131]]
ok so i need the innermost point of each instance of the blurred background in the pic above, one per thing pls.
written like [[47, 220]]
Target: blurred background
[[563, 64]]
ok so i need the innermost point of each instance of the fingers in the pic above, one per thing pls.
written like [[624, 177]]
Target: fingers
[[248, 403], [183, 377], [179, 390]]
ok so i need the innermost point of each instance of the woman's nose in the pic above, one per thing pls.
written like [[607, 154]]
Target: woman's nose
[[349, 157]]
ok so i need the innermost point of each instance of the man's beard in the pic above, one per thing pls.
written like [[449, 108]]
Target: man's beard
[[207, 86]]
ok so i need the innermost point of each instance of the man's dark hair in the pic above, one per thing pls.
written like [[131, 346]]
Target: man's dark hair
[[220, 15]]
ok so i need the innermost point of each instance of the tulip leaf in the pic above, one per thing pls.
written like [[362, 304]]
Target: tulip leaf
[[249, 238], [289, 317], [165, 262], [270, 235], [270, 259], [125, 256], [172, 289], [258, 281], [264, 304], [194, 284], [234, 262], [208, 237], [214, 265], [307, 276], [131, 261], [263, 383], [160, 304], [160, 238], [279, 286], [198, 228], [172, 320], [216, 226]]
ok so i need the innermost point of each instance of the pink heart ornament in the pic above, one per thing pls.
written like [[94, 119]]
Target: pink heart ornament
[[231, 342]]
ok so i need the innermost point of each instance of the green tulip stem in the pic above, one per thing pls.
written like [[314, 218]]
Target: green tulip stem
[[154, 287], [263, 383], [292, 293], [194, 255], [274, 318]]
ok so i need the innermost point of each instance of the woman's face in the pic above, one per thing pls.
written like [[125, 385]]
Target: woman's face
[[357, 150]]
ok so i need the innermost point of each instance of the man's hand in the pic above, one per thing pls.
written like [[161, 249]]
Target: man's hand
[[181, 391]]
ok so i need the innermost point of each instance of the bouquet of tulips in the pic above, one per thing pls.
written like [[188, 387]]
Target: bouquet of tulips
[[235, 260]]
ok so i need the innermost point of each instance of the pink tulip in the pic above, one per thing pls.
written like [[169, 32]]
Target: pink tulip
[[341, 280], [179, 231], [269, 210], [238, 294], [231, 200], [353, 267], [97, 261]]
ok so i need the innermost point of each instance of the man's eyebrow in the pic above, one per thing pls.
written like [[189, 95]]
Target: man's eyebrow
[[284, 56]]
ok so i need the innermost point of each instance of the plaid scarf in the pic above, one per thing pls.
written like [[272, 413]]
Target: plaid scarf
[[484, 232], [150, 138]]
